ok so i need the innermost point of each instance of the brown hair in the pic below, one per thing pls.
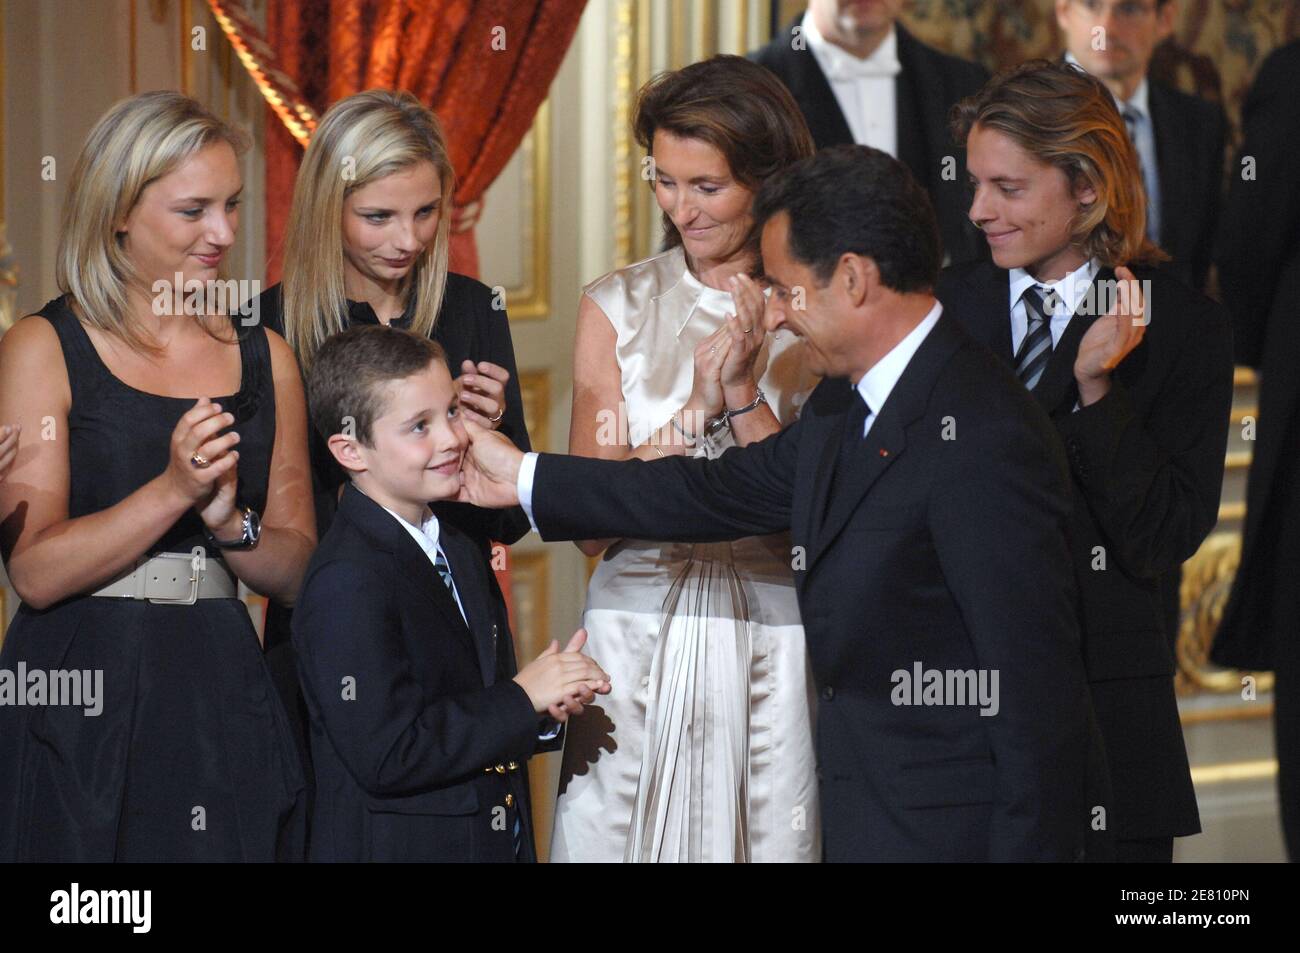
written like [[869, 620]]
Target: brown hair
[[738, 107], [347, 386], [1062, 116]]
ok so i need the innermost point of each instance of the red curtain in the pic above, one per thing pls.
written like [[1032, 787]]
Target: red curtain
[[484, 66]]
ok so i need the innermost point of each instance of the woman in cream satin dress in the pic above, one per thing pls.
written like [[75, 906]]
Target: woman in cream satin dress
[[704, 749]]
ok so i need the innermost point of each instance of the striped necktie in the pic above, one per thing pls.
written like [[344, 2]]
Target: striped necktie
[[444, 571], [1036, 348]]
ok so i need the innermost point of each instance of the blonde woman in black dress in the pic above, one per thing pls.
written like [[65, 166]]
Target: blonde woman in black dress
[[171, 463]]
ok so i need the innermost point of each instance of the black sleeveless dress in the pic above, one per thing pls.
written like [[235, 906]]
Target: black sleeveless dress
[[190, 756]]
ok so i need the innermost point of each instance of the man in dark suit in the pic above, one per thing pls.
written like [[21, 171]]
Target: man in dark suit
[[1142, 409], [859, 76], [1259, 272], [1179, 138], [420, 725], [927, 501]]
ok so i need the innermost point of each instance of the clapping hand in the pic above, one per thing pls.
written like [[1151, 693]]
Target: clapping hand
[[1111, 338], [559, 683], [202, 466], [746, 332], [706, 399]]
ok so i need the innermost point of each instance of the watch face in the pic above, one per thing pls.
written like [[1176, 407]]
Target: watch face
[[252, 524]]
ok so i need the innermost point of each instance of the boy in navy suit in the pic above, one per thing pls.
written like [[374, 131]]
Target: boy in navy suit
[[420, 724]]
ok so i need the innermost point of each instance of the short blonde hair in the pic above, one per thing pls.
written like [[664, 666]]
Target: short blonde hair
[[138, 141], [360, 139], [1064, 117]]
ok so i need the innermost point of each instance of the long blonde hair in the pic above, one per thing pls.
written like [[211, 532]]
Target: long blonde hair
[[138, 141], [360, 139], [1064, 117]]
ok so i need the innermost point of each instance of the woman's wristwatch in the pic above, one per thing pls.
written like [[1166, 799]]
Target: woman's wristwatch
[[251, 534]]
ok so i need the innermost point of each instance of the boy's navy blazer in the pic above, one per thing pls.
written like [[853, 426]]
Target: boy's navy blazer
[[415, 719]]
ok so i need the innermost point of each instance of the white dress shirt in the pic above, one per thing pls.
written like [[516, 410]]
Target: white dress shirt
[[864, 88], [877, 383], [426, 536], [875, 387], [1069, 293]]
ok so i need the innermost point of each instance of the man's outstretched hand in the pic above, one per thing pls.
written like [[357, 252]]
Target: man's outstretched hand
[[490, 469]]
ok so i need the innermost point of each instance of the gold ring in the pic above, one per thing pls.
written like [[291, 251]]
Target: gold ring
[[500, 413], [198, 460], [746, 330]]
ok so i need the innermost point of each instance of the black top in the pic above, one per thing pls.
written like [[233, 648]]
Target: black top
[[1190, 134], [469, 328], [189, 712], [103, 469]]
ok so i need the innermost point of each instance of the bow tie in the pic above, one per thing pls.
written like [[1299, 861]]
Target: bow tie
[[845, 67]]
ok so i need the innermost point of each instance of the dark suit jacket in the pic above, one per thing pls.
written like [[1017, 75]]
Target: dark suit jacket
[[927, 87], [1147, 469], [1190, 134], [468, 328], [943, 553], [405, 767], [1259, 269]]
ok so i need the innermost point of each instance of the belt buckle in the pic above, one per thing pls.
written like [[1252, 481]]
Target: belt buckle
[[186, 600]]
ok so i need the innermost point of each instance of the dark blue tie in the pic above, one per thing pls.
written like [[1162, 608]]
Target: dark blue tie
[[851, 441]]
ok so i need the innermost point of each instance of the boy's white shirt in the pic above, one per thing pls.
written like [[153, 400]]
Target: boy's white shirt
[[426, 535]]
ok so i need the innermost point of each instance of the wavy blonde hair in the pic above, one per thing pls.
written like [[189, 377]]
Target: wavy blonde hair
[[1064, 117], [360, 139], [138, 141]]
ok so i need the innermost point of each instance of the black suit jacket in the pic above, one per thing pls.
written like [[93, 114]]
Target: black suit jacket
[[943, 553], [410, 709], [469, 328], [1190, 134], [926, 89], [1147, 469], [1259, 270]]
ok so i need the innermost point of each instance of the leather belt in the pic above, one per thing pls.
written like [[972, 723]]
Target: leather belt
[[173, 579]]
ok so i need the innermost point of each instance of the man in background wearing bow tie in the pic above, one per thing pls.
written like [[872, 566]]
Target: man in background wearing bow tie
[[859, 76]]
